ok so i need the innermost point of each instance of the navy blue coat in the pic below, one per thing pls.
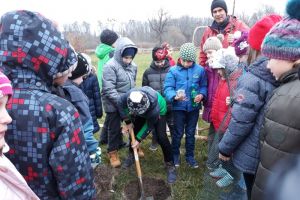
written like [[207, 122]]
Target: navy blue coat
[[241, 139], [90, 87]]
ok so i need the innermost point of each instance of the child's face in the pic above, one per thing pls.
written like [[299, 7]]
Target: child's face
[[127, 59], [159, 63], [279, 67], [5, 119], [209, 53], [186, 63], [61, 80]]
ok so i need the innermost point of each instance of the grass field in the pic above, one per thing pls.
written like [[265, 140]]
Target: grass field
[[189, 183]]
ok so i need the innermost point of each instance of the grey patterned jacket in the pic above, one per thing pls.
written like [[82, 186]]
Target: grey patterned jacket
[[118, 78]]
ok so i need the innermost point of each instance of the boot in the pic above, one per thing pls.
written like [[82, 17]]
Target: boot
[[141, 153], [129, 161], [171, 172], [114, 159]]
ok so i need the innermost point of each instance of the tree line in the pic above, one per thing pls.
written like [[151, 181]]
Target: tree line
[[146, 34]]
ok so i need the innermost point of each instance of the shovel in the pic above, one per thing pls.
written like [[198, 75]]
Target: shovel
[[138, 168]]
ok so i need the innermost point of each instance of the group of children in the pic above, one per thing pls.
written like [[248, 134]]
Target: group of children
[[53, 103]]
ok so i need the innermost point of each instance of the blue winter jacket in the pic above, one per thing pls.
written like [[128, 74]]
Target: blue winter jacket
[[241, 139], [179, 77], [90, 87]]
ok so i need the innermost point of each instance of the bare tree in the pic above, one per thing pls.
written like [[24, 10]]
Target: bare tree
[[159, 24]]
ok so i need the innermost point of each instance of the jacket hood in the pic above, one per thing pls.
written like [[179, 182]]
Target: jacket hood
[[121, 45], [102, 50], [32, 49], [259, 69], [166, 65]]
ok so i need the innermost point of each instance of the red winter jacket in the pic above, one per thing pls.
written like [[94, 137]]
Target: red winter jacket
[[233, 26], [219, 107]]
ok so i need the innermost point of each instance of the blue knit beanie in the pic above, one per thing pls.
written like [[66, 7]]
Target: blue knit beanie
[[283, 41]]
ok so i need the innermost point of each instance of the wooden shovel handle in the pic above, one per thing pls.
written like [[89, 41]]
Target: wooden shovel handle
[[136, 155]]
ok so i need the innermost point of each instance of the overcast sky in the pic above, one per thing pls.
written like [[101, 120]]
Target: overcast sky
[[68, 11]]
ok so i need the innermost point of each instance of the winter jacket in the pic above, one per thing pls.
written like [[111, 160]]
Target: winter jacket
[[154, 76], [90, 87], [212, 84], [12, 184], [118, 78], [76, 96], [280, 135], [233, 25], [104, 52], [179, 77], [241, 139], [46, 129], [158, 107], [219, 108]]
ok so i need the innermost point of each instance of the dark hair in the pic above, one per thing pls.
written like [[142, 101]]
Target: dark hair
[[253, 54]]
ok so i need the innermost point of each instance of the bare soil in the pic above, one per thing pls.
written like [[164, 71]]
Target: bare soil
[[156, 188]]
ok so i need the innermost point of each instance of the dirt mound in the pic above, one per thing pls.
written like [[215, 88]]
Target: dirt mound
[[104, 179], [156, 188]]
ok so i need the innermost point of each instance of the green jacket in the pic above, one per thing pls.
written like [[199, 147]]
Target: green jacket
[[103, 53]]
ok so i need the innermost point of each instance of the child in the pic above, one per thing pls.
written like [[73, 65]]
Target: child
[[12, 183], [70, 91], [281, 131], [119, 75], [211, 45], [147, 111], [226, 62], [185, 86], [46, 129], [104, 52], [90, 87], [241, 139], [154, 77]]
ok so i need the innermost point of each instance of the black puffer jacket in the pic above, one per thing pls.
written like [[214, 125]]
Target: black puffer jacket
[[154, 76], [280, 136]]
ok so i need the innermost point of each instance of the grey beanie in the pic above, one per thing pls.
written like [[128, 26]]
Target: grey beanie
[[212, 43]]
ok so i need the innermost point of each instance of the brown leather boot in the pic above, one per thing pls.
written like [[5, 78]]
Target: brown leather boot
[[114, 159], [141, 153]]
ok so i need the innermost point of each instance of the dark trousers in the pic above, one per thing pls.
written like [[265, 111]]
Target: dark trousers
[[184, 122], [170, 122], [114, 131], [249, 180], [160, 134], [104, 132]]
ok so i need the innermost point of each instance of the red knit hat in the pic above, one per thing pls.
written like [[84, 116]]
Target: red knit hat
[[259, 30], [5, 86]]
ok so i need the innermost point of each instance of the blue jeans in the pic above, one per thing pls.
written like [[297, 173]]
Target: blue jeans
[[184, 122], [91, 142]]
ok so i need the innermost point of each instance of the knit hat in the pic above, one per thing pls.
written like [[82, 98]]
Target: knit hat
[[138, 103], [212, 43], [130, 51], [5, 86], [283, 41], [259, 30], [108, 37], [158, 53], [82, 67], [241, 44], [188, 52], [218, 3], [225, 59]]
